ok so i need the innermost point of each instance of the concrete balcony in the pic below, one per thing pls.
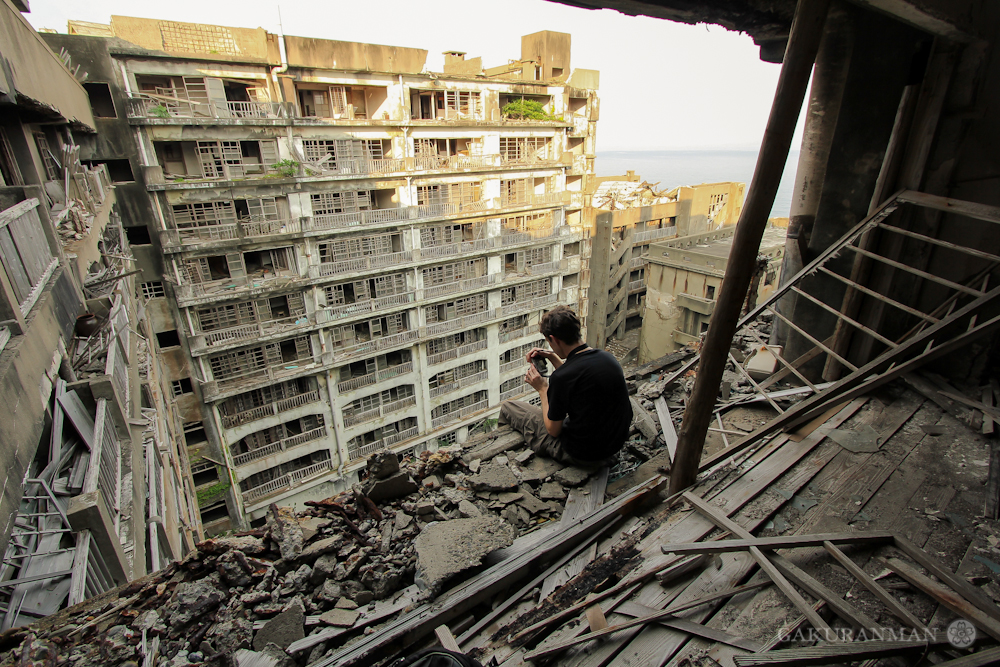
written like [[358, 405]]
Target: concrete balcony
[[507, 336], [516, 393], [581, 125], [636, 285], [366, 348], [535, 199], [276, 448], [220, 339], [218, 389], [654, 235], [460, 383], [269, 410], [374, 378], [359, 264], [637, 262], [355, 452], [438, 328], [695, 303], [285, 482], [458, 415], [515, 366], [460, 248], [435, 291], [456, 352], [162, 109], [190, 294], [355, 418], [379, 304], [528, 305]]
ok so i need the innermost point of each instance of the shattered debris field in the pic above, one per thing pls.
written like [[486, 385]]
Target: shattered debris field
[[864, 523]]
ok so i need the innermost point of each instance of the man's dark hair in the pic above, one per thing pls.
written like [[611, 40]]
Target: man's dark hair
[[562, 323]]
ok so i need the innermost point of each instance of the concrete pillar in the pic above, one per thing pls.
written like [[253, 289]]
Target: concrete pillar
[[600, 264], [880, 54]]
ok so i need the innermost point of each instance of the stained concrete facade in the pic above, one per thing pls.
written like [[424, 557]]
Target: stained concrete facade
[[683, 278], [625, 218], [338, 258]]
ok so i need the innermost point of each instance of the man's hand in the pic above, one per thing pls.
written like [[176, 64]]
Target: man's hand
[[534, 378], [537, 352]]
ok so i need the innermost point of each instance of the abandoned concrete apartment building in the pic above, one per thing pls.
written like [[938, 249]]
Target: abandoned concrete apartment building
[[338, 251]]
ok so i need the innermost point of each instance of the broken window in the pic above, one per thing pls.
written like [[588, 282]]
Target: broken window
[[328, 203], [363, 290], [446, 273], [450, 193], [344, 155], [524, 292], [443, 312], [359, 246], [524, 149], [455, 340], [438, 235], [515, 191]]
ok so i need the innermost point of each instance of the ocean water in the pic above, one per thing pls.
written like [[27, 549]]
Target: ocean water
[[673, 168]]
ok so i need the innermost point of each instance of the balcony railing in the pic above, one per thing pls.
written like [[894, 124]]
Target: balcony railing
[[269, 409], [457, 248], [383, 343], [637, 262], [380, 411], [230, 286], [460, 322], [372, 378], [285, 482], [516, 238], [143, 105], [456, 352], [439, 162], [104, 472], [636, 284], [360, 264], [535, 199], [528, 304], [460, 414], [355, 452], [653, 234], [254, 330], [515, 365], [466, 381], [368, 305], [461, 285], [265, 375], [517, 392], [280, 446], [545, 267], [507, 336]]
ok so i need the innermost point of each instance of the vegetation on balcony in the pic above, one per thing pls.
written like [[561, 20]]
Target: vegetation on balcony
[[526, 110]]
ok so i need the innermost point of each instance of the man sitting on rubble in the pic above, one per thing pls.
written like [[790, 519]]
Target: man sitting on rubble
[[585, 414]]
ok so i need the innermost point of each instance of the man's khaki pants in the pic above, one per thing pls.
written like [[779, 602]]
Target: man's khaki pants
[[527, 420]]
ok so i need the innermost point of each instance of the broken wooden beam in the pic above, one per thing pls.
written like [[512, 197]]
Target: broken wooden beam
[[828, 654], [655, 365], [787, 542]]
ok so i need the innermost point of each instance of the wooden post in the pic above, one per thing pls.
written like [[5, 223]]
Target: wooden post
[[803, 42]]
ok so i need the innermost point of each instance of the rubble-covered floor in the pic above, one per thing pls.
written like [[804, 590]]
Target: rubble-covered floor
[[364, 577]]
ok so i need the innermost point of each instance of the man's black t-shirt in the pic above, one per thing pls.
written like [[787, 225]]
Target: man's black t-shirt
[[589, 392]]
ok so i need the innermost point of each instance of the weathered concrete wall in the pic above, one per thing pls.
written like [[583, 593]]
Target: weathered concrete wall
[[354, 56], [32, 70], [551, 50], [207, 41]]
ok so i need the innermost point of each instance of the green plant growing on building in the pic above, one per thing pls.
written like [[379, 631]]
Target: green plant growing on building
[[523, 109], [210, 494], [160, 111], [285, 168]]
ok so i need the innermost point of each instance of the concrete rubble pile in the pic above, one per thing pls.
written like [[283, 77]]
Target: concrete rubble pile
[[308, 582]]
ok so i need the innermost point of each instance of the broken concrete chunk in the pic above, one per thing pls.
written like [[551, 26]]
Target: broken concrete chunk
[[539, 468], [571, 476], [509, 440], [283, 629], [494, 477], [341, 618], [320, 547], [389, 488], [311, 525], [532, 504], [383, 465], [552, 491], [468, 509], [425, 507], [524, 456], [455, 496], [445, 549], [642, 420], [403, 520], [474, 466], [286, 531], [432, 481], [510, 496], [344, 603]]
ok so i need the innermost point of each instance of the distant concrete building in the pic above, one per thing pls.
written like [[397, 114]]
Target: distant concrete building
[[682, 280], [339, 252], [94, 495], [626, 216]]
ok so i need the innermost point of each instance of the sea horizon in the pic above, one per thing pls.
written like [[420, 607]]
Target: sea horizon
[[672, 168]]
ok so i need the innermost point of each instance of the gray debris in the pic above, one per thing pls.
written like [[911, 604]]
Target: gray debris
[[445, 549], [494, 477], [283, 629]]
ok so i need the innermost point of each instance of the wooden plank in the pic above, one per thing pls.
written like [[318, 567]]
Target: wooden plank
[[79, 416], [666, 426], [898, 610], [446, 639], [656, 617], [946, 597], [658, 364], [780, 542], [804, 580], [724, 522], [990, 656], [989, 410], [957, 583], [595, 618], [581, 501], [637, 610], [969, 209], [827, 654], [987, 394]]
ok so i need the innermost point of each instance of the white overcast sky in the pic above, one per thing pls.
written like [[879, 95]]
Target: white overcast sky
[[664, 85]]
